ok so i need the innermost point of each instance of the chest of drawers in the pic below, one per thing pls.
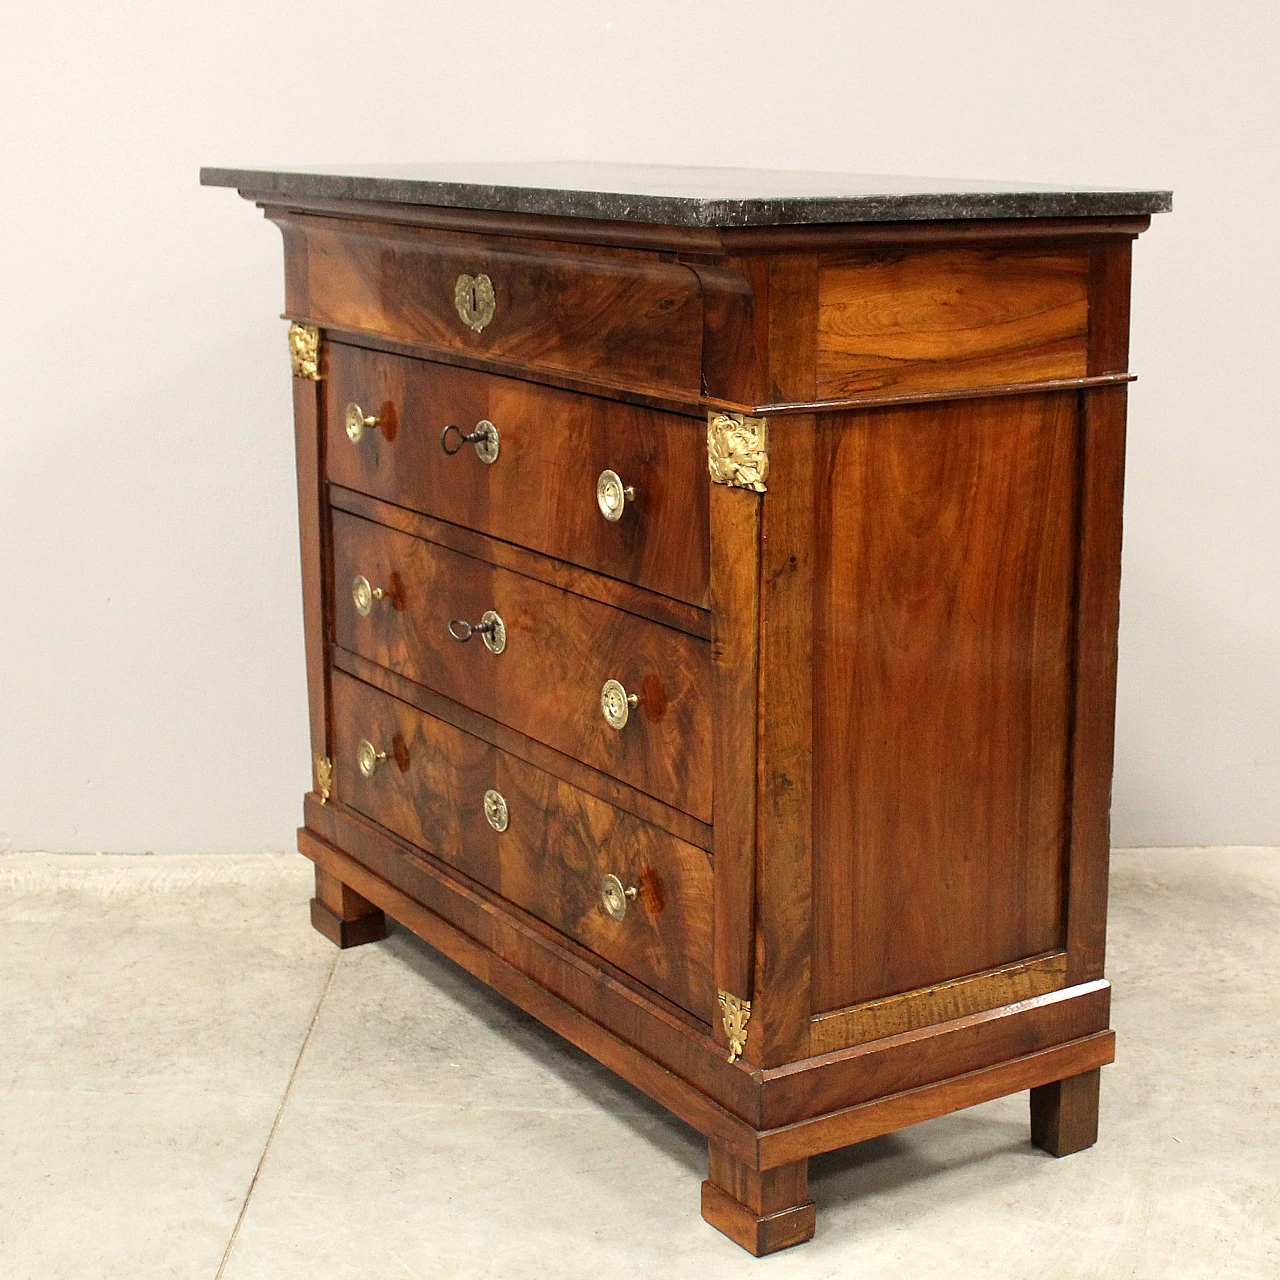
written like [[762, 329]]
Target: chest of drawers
[[711, 595]]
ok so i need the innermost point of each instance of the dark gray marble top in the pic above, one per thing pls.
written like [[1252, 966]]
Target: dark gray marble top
[[687, 197]]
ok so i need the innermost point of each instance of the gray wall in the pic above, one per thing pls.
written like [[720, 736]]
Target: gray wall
[[151, 688]]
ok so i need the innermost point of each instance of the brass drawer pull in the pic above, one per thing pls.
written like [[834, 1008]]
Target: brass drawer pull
[[357, 422], [368, 757], [614, 898], [363, 594], [490, 628], [485, 437], [495, 810], [612, 495], [616, 704]]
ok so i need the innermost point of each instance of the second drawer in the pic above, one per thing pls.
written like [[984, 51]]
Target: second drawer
[[559, 651], [549, 476], [630, 892]]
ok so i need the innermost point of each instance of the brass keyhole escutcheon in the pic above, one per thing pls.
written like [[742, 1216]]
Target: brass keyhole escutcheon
[[612, 495], [474, 299], [614, 898], [495, 810], [363, 594], [616, 704], [368, 757]]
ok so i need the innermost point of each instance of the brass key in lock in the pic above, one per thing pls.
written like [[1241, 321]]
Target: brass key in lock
[[490, 628], [485, 437]]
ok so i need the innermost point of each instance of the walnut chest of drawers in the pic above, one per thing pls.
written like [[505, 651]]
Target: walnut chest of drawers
[[711, 587]]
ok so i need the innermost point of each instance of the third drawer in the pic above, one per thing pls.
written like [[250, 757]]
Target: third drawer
[[630, 892], [559, 651]]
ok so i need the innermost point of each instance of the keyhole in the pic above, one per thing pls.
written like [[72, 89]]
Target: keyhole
[[475, 300]]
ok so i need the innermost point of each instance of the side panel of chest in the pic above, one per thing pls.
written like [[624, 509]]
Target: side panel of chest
[[944, 591]]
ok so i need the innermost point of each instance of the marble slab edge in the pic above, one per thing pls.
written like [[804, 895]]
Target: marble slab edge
[[686, 211]]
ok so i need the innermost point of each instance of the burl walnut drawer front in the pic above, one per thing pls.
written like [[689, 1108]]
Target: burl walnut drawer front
[[555, 655], [631, 319], [557, 458], [542, 844]]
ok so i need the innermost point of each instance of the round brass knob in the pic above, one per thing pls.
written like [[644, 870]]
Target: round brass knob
[[491, 629], [616, 704], [357, 421], [495, 810], [363, 595], [614, 898], [612, 495], [368, 757]]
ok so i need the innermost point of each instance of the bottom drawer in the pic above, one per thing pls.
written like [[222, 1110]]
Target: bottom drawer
[[539, 842]]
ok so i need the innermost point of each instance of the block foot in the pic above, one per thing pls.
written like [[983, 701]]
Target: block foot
[[343, 916], [1064, 1115], [762, 1212]]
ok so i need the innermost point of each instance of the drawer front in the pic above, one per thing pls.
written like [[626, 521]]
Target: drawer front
[[560, 650], [541, 491], [558, 845], [629, 320]]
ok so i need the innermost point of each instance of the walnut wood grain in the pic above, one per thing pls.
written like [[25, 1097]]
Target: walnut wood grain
[[560, 650], [946, 582], [582, 582], [913, 1009], [1110, 268], [573, 771], [782, 999], [556, 850], [735, 594], [313, 538], [951, 317], [541, 491], [1097, 625], [633, 317], [747, 384], [686, 403], [729, 353]]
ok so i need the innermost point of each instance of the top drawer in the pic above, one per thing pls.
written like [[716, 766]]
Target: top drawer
[[633, 320]]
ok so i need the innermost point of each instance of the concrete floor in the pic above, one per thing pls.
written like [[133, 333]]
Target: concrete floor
[[194, 1084]]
